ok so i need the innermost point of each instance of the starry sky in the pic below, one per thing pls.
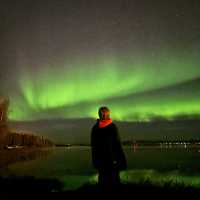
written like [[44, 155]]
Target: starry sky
[[64, 59]]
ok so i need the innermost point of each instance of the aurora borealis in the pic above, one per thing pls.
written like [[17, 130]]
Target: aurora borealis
[[65, 59]]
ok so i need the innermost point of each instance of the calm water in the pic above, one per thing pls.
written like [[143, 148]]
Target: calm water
[[73, 166]]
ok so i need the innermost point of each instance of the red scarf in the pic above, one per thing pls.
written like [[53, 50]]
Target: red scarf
[[104, 123]]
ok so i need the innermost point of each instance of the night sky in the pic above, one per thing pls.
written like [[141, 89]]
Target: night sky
[[64, 59]]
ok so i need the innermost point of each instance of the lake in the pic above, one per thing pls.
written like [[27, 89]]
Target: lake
[[72, 166]]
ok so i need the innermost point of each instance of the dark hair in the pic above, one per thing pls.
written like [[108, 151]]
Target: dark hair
[[103, 109]]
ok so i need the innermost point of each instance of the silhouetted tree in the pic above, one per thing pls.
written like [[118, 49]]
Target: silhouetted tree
[[3, 121]]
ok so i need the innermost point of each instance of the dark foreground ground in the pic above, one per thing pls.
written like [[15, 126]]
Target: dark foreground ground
[[31, 185]]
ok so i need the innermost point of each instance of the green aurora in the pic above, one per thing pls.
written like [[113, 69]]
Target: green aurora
[[134, 89], [65, 59]]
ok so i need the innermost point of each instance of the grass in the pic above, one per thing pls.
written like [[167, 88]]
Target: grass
[[34, 185]]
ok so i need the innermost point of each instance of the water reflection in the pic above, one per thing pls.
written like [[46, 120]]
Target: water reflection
[[73, 166], [15, 156]]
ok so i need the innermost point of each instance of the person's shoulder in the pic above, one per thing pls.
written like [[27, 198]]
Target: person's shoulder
[[95, 126], [113, 125], [113, 129]]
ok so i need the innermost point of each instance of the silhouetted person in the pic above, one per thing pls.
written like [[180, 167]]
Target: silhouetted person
[[107, 153]]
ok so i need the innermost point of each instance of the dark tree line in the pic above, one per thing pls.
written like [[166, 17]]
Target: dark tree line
[[13, 139], [8, 138]]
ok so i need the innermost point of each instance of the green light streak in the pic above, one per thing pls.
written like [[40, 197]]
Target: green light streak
[[53, 89], [145, 111], [77, 90]]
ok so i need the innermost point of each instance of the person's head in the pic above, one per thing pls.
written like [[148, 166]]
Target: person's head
[[104, 113]]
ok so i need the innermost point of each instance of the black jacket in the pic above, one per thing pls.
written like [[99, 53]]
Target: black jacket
[[107, 152]]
